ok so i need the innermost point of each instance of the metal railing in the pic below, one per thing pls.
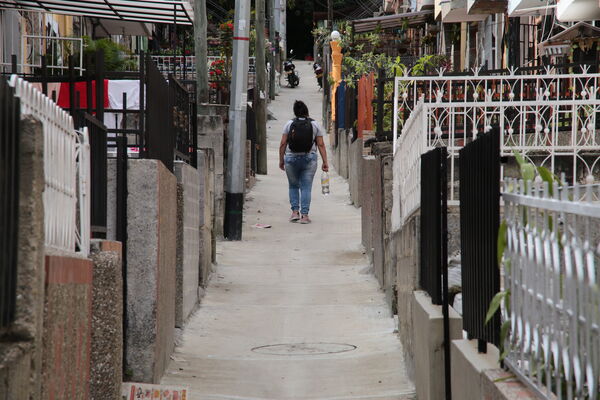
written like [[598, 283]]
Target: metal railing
[[66, 170], [98, 172], [48, 52], [512, 87], [479, 223], [160, 139], [184, 67], [9, 201], [558, 134], [433, 241], [411, 144], [552, 274], [183, 112]]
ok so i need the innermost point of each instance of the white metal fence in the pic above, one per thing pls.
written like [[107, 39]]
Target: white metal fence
[[66, 171], [580, 85], [56, 49], [411, 144], [562, 135], [552, 273], [185, 67]]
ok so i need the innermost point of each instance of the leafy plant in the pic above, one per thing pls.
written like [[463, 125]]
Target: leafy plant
[[528, 172], [114, 54]]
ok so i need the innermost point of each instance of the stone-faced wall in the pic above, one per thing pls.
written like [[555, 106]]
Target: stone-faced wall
[[107, 321], [369, 164], [208, 248], [355, 170], [211, 135], [188, 257], [406, 242], [67, 328], [151, 258], [21, 351]]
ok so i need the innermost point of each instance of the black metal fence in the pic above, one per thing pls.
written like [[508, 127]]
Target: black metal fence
[[479, 222], [10, 114], [183, 113], [433, 216], [159, 143], [98, 152], [433, 271]]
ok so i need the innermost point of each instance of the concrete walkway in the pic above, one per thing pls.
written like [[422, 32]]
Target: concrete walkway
[[305, 288]]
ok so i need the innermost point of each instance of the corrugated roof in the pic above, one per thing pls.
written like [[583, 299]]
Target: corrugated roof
[[151, 11], [391, 21]]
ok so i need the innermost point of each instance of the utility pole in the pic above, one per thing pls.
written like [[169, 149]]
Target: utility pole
[[200, 24], [272, 29], [235, 179], [260, 95]]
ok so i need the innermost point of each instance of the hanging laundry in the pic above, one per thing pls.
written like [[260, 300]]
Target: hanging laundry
[[116, 89], [365, 103], [340, 113], [64, 99]]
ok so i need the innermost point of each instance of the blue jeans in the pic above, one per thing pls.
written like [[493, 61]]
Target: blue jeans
[[300, 170]]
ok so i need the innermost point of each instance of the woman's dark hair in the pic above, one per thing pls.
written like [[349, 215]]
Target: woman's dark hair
[[300, 109]]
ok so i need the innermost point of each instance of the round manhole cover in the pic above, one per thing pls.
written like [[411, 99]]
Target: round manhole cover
[[304, 349]]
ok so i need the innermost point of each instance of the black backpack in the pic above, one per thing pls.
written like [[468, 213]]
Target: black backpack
[[300, 138]]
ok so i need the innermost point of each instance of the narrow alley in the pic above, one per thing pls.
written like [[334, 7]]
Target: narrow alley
[[292, 312]]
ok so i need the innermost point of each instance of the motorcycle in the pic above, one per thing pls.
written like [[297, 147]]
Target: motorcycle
[[290, 70], [318, 73]]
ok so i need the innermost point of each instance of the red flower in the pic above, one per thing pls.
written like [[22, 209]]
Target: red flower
[[213, 85], [219, 72], [212, 72]]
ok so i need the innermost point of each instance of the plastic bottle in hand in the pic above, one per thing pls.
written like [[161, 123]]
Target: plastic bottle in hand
[[325, 183]]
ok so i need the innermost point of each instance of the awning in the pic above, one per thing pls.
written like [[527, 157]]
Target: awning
[[561, 42], [392, 21], [149, 11], [119, 27]]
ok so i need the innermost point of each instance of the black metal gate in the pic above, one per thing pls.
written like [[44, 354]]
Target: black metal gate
[[433, 271], [479, 223], [10, 114], [433, 216]]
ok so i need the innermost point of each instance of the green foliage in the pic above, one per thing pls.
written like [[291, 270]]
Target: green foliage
[[430, 63], [114, 54], [528, 173]]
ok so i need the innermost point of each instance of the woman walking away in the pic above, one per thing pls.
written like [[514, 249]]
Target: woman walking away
[[298, 158]]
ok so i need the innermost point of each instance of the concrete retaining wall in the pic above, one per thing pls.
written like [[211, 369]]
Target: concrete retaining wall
[[107, 321], [406, 242], [211, 135], [67, 328], [428, 328], [151, 262], [208, 249], [355, 166], [21, 350], [343, 149], [369, 166], [188, 243], [467, 367]]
